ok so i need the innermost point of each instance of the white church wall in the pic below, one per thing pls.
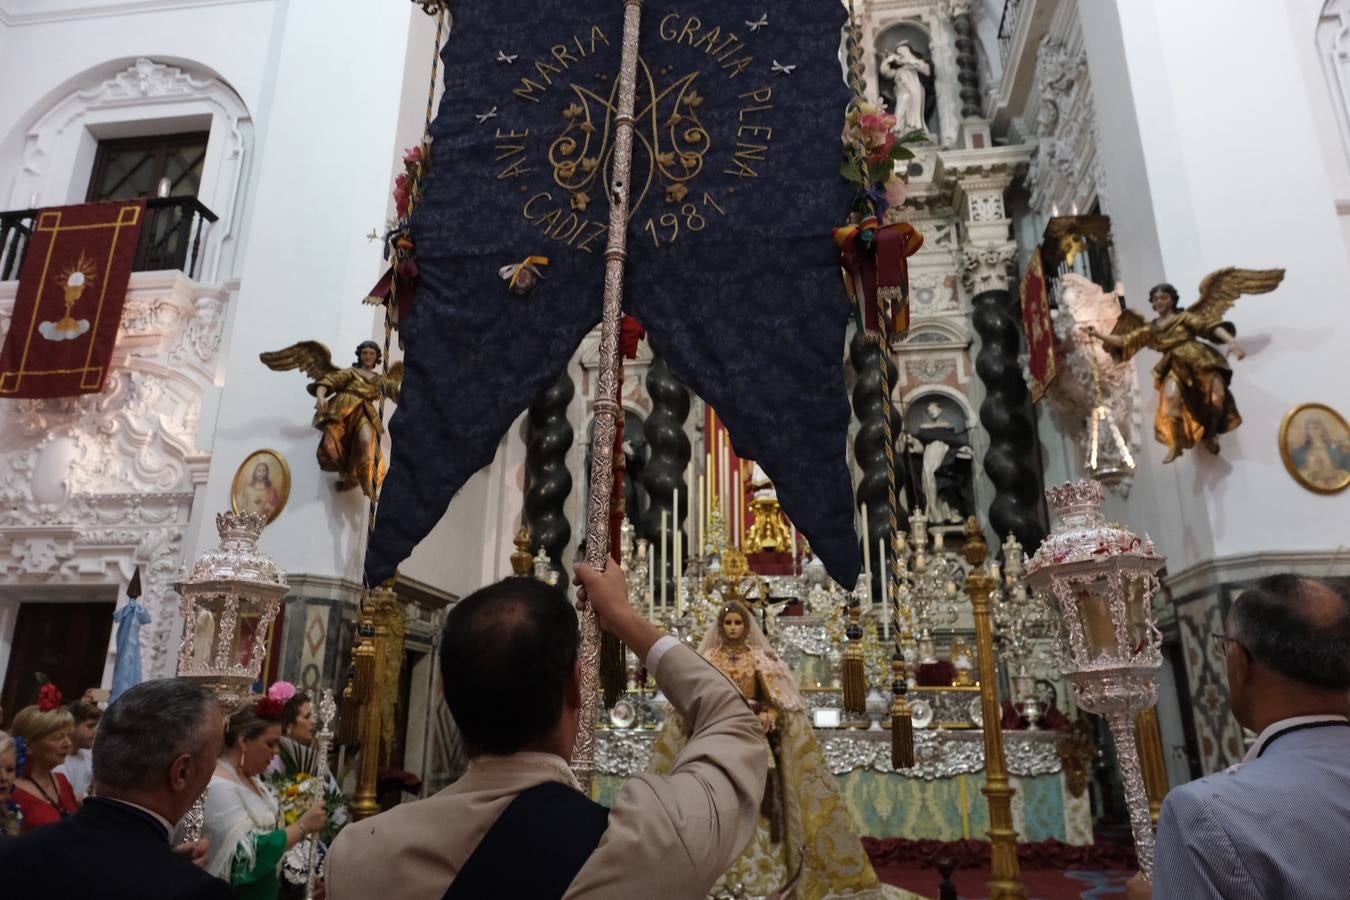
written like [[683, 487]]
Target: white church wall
[[1197, 182]]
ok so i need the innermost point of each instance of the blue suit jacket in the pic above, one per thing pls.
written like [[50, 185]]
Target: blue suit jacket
[[1276, 827]]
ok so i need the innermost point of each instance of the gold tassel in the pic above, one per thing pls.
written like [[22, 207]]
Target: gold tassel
[[363, 671], [349, 714], [855, 676], [902, 723]]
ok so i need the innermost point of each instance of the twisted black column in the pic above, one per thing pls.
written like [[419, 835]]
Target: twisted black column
[[1013, 459], [548, 437], [665, 467], [869, 444], [967, 67]]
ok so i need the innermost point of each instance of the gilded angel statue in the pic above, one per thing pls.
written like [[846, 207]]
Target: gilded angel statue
[[1195, 404], [346, 407]]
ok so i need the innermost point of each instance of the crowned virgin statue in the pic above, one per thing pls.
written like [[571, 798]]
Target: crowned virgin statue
[[804, 833]]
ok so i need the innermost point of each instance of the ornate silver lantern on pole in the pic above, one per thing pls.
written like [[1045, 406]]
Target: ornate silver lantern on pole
[[1100, 578], [229, 601]]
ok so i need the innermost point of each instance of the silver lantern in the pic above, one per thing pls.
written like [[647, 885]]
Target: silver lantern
[[229, 600], [1100, 579]]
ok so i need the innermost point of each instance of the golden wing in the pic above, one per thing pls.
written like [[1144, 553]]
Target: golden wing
[[1220, 290], [310, 357], [393, 381], [1128, 321]]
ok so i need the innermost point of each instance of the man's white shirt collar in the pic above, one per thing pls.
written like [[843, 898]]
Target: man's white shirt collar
[[1277, 728]]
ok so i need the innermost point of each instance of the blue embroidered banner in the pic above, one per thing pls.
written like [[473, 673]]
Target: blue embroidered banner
[[731, 266]]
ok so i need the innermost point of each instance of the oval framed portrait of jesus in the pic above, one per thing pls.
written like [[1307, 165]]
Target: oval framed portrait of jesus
[[261, 485], [1315, 447]]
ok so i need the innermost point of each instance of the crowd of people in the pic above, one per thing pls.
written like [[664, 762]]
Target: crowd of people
[[91, 800]]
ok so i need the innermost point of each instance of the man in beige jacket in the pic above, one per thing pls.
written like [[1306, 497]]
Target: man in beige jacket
[[511, 679]]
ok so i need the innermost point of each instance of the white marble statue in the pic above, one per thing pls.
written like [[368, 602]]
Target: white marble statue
[[903, 68]]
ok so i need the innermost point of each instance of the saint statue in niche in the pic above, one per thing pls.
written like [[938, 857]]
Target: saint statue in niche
[[1195, 405], [944, 459], [346, 407], [905, 70], [803, 823]]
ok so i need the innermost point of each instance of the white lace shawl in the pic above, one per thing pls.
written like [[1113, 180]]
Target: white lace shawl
[[235, 818]]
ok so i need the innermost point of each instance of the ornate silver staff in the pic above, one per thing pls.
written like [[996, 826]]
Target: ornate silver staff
[[327, 713], [607, 403]]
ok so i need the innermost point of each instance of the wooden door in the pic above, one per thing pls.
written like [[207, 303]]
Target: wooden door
[[67, 642]]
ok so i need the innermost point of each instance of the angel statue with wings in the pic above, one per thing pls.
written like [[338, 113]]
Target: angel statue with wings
[[346, 407], [1195, 405]]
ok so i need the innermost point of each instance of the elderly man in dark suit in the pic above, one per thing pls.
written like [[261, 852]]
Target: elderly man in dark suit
[[154, 755], [1278, 824]]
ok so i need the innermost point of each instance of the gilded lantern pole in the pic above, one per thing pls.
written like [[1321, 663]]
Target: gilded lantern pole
[[376, 628], [606, 403], [1006, 876], [1152, 760]]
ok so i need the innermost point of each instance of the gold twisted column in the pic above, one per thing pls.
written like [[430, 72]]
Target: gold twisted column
[[1005, 879], [376, 628], [607, 409], [1152, 760]]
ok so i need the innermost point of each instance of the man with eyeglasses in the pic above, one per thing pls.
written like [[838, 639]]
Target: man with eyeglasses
[[1277, 824]]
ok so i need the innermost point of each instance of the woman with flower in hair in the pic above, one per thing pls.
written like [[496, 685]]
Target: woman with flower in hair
[[243, 821], [10, 817], [42, 733]]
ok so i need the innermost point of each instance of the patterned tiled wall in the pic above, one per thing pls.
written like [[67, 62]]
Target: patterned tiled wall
[[1218, 733]]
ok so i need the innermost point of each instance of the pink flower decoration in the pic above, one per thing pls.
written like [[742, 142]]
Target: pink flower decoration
[[896, 191], [413, 154], [281, 691]]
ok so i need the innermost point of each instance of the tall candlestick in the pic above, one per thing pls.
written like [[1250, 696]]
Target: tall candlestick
[[867, 551], [665, 557], [702, 518], [885, 592], [651, 583], [679, 546], [736, 501]]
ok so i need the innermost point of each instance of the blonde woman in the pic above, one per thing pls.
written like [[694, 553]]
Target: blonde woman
[[243, 821], [44, 796], [9, 761]]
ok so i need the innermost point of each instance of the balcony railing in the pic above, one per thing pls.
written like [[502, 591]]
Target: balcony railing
[[171, 237], [1007, 27]]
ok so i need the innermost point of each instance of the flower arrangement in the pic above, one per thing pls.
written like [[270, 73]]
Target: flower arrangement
[[49, 697], [872, 154], [295, 794], [409, 184]]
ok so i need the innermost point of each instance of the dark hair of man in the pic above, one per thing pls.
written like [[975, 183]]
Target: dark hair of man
[[85, 712], [506, 653], [148, 727], [1298, 627]]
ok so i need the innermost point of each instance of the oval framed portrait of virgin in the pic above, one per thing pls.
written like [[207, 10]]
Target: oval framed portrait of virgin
[[261, 485], [1315, 446]]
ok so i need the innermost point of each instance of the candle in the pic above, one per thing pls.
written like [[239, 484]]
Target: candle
[[665, 557], [678, 554], [703, 517], [867, 551], [739, 510], [938, 541], [651, 581], [885, 592], [794, 549]]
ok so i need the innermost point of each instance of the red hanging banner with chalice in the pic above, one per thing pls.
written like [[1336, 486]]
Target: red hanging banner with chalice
[[69, 305], [1040, 328]]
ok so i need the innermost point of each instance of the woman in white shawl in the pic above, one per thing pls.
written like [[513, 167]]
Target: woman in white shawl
[[243, 822], [804, 832]]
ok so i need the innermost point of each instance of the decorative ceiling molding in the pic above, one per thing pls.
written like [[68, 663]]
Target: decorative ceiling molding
[[15, 13]]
